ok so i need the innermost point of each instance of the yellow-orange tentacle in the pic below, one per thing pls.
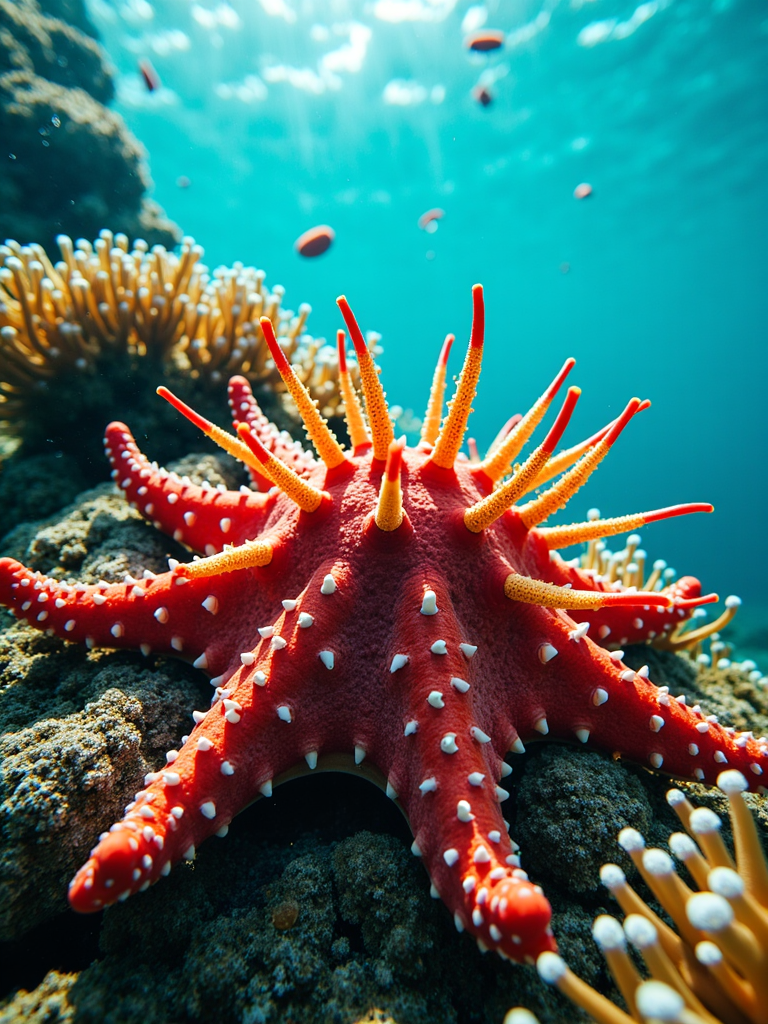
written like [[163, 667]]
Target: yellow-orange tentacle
[[318, 431], [230, 444], [431, 425], [577, 533], [389, 511], [497, 463], [244, 556], [549, 595], [304, 494], [559, 494], [353, 410], [382, 433], [451, 436], [486, 511]]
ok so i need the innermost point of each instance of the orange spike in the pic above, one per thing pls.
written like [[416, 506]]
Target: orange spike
[[576, 533], [549, 595], [498, 462], [559, 494], [244, 556], [486, 511], [389, 512], [375, 399], [305, 495], [318, 431], [220, 437], [353, 411], [451, 436], [431, 425]]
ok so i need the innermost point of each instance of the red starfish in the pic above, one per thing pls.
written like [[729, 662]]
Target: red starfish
[[390, 609]]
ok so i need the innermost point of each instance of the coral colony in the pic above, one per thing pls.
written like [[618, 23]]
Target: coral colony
[[391, 608], [716, 960], [106, 300]]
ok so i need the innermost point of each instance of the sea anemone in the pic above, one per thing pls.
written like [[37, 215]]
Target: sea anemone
[[714, 968]]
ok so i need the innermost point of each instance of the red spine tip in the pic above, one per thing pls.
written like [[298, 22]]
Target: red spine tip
[[446, 349], [695, 602], [342, 350], [194, 417], [552, 439], [246, 435], [677, 510], [352, 326], [274, 348], [394, 459], [633, 406], [478, 317], [557, 383], [639, 598]]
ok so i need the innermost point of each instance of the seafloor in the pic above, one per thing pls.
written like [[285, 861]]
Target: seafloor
[[312, 909]]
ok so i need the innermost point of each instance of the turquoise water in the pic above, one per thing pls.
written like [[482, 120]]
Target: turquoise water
[[288, 113]]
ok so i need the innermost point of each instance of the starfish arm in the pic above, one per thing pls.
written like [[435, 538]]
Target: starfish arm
[[259, 726], [163, 614], [578, 691], [228, 760], [446, 772], [202, 518], [245, 409], [617, 627], [612, 626]]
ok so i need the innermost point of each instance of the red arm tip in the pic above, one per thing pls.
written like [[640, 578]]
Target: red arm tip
[[552, 439]]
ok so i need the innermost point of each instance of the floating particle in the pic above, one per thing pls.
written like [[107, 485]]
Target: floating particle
[[582, 191], [183, 181], [565, 268], [284, 915], [484, 41], [150, 76], [315, 242], [482, 95], [428, 221]]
